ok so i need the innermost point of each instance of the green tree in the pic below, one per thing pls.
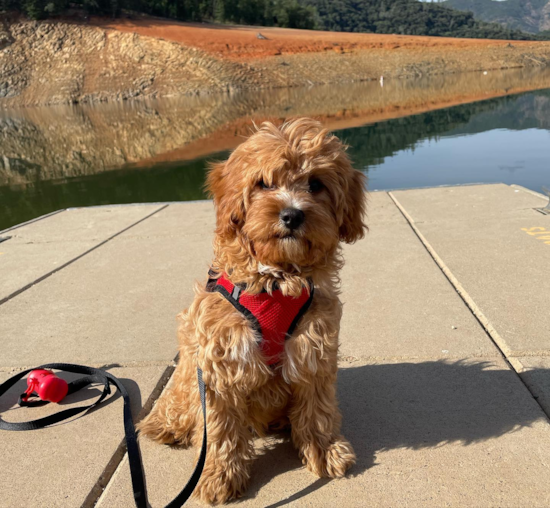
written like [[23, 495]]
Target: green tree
[[291, 14], [409, 17]]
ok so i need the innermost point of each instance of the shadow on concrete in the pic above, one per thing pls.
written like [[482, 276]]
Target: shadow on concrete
[[412, 406], [384, 407]]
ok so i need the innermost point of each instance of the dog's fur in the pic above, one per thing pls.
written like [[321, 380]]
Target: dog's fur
[[272, 170]]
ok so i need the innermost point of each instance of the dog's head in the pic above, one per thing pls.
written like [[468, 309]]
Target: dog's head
[[289, 194]]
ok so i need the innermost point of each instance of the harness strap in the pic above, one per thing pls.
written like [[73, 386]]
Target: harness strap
[[93, 376], [257, 310]]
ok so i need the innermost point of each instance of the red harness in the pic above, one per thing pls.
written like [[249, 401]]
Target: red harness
[[274, 317]]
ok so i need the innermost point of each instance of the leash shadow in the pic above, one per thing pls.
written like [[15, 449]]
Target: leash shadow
[[278, 456], [316, 485]]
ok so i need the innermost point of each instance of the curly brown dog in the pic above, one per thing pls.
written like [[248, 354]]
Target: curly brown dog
[[285, 199]]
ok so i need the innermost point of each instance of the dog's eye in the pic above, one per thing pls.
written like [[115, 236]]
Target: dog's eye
[[315, 185], [264, 186]]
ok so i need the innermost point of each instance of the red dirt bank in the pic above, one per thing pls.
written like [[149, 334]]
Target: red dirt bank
[[242, 43]]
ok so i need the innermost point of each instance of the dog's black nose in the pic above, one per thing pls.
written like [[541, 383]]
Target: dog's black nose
[[292, 217]]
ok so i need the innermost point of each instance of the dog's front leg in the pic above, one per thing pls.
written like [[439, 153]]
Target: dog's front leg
[[232, 369], [230, 450], [315, 420]]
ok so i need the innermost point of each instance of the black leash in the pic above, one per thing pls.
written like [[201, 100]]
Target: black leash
[[93, 376]]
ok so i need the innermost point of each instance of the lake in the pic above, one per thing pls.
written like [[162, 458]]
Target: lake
[[443, 130]]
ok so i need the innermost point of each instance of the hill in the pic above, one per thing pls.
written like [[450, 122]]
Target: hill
[[407, 17], [527, 15], [105, 59]]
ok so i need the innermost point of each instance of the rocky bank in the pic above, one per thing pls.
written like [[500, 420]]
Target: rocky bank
[[54, 62]]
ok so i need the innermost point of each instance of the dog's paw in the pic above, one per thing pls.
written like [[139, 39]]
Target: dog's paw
[[332, 462], [339, 458], [158, 427], [222, 484], [155, 429]]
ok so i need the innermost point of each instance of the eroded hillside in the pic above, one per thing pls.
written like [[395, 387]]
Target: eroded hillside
[[60, 63]]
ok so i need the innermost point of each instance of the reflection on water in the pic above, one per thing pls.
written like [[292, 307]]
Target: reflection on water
[[161, 182], [58, 157], [498, 140]]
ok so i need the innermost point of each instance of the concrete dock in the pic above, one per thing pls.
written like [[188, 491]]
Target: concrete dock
[[445, 352]]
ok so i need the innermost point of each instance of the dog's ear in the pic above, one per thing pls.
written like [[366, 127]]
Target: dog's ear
[[224, 185], [353, 228]]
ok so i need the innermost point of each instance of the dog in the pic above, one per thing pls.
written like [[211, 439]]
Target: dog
[[285, 200]]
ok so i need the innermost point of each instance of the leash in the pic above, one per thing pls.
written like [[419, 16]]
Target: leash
[[98, 376]]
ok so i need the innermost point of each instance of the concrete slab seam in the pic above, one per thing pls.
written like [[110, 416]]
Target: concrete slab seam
[[514, 363], [455, 282], [116, 459], [49, 274], [32, 220]]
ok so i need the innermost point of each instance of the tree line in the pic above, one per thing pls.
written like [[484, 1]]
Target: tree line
[[283, 13], [525, 15], [406, 17]]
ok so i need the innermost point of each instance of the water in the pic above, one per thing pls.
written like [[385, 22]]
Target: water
[[500, 140], [401, 135]]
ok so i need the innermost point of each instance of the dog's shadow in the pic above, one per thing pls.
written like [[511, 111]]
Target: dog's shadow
[[412, 406], [392, 406]]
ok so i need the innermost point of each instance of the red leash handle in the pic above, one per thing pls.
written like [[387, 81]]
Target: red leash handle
[[47, 385]]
